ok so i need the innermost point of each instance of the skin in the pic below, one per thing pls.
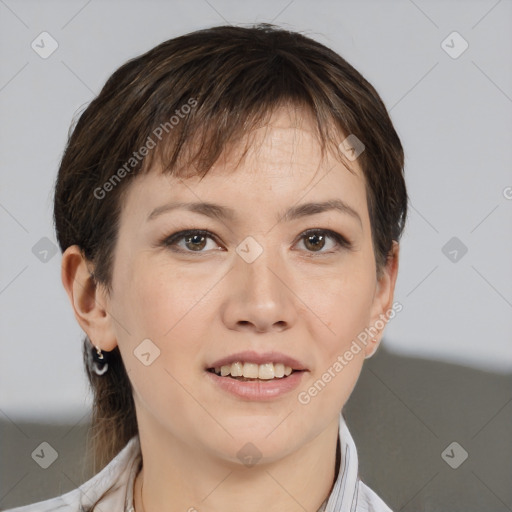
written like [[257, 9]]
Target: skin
[[200, 306]]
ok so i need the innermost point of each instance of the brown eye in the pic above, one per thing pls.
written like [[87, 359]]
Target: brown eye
[[315, 241], [190, 241], [195, 242]]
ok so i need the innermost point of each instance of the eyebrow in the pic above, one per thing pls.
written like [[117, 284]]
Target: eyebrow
[[223, 213]]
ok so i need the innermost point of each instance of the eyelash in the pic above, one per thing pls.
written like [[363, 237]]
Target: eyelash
[[170, 241]]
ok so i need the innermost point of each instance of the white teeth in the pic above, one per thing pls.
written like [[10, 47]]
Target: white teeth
[[251, 370], [237, 370], [279, 370], [265, 371]]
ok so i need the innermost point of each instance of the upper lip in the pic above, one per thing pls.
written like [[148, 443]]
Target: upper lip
[[249, 356]]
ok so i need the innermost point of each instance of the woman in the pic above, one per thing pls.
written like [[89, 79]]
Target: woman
[[229, 209]]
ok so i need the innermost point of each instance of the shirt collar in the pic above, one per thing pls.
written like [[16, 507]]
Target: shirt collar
[[343, 495], [344, 492]]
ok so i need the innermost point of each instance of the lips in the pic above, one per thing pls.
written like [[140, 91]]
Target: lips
[[256, 390], [259, 358]]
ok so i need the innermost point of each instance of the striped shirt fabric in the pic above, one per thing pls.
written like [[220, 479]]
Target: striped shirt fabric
[[348, 494]]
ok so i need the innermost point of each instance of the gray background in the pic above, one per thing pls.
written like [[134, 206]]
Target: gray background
[[443, 373]]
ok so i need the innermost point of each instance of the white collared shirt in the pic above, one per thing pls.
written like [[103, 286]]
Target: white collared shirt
[[349, 493]]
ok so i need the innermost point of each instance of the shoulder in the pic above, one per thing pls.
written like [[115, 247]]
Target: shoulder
[[368, 501], [69, 502], [109, 487]]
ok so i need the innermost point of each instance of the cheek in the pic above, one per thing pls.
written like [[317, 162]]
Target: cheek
[[156, 299], [342, 305], [169, 306], [341, 301], [338, 362], [163, 305]]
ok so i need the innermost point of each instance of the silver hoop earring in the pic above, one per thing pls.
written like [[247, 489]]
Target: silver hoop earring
[[98, 360]]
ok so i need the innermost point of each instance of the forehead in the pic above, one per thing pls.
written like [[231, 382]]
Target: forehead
[[282, 162]]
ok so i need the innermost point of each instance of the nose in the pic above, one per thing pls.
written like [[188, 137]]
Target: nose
[[260, 297]]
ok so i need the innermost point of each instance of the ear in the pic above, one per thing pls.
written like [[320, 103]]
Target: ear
[[89, 301], [382, 305]]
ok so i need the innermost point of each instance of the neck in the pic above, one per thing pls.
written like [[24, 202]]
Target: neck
[[191, 481]]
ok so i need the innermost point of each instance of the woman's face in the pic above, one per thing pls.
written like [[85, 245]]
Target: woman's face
[[259, 283]]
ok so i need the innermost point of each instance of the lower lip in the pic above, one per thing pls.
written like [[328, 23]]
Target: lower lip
[[258, 390]]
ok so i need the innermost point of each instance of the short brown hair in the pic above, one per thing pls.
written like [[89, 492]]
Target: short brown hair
[[233, 78]]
